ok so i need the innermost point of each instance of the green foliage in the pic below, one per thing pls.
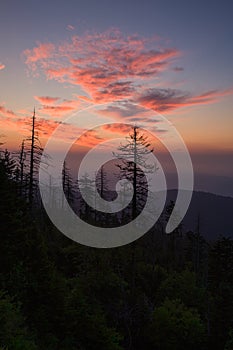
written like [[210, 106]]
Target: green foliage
[[56, 294], [183, 285], [13, 333], [229, 343], [174, 326], [221, 290]]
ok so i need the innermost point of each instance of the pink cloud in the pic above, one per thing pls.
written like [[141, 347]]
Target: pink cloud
[[210, 96], [118, 128], [106, 65], [165, 100], [110, 66], [44, 127], [22, 124], [7, 113], [123, 112], [2, 66], [91, 138], [56, 111], [41, 54], [47, 99], [56, 108]]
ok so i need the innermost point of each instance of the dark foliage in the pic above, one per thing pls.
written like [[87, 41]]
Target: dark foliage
[[161, 292]]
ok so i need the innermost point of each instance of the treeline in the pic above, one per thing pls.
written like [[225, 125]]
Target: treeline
[[163, 292]]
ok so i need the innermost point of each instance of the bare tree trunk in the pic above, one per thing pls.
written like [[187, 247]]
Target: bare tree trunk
[[134, 211], [21, 162], [31, 173]]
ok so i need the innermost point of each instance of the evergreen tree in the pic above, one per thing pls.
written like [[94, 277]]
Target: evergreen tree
[[134, 165]]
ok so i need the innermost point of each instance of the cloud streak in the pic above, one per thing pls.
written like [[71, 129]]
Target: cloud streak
[[16, 122], [163, 100], [110, 66], [107, 66], [6, 113], [45, 127], [55, 107], [46, 99]]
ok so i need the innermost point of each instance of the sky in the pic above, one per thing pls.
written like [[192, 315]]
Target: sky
[[172, 57]]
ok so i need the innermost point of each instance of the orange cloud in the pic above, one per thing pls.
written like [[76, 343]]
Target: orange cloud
[[91, 138], [110, 66], [125, 112], [41, 54], [6, 113], [118, 128], [106, 65], [51, 107], [22, 125], [56, 111], [47, 99], [210, 96], [2, 66], [165, 100]]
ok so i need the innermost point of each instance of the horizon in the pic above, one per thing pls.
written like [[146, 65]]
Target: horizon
[[77, 59]]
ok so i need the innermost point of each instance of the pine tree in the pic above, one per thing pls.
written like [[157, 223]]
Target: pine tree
[[134, 165], [87, 186], [34, 151], [8, 163], [67, 183], [20, 171]]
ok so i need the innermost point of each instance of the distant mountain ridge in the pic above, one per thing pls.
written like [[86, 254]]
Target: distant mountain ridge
[[214, 212]]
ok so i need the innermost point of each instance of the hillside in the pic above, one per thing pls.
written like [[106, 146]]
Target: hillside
[[214, 211]]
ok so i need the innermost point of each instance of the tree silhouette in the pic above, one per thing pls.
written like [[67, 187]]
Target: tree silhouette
[[67, 183], [87, 186], [21, 176], [134, 165], [102, 181], [9, 163], [34, 150], [57, 294]]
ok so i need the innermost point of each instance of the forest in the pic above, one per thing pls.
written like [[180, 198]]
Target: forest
[[162, 292]]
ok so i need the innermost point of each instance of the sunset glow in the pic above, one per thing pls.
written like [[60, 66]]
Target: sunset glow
[[63, 67]]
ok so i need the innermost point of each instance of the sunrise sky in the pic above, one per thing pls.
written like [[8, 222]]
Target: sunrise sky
[[174, 57]]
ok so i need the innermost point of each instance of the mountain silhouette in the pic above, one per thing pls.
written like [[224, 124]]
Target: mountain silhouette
[[214, 213]]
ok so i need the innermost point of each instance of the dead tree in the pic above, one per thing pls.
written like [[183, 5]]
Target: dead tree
[[134, 165]]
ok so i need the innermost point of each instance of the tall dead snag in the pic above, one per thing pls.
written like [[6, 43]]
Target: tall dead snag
[[22, 165], [102, 189], [34, 152], [31, 171], [20, 170], [86, 185], [67, 184], [134, 165]]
